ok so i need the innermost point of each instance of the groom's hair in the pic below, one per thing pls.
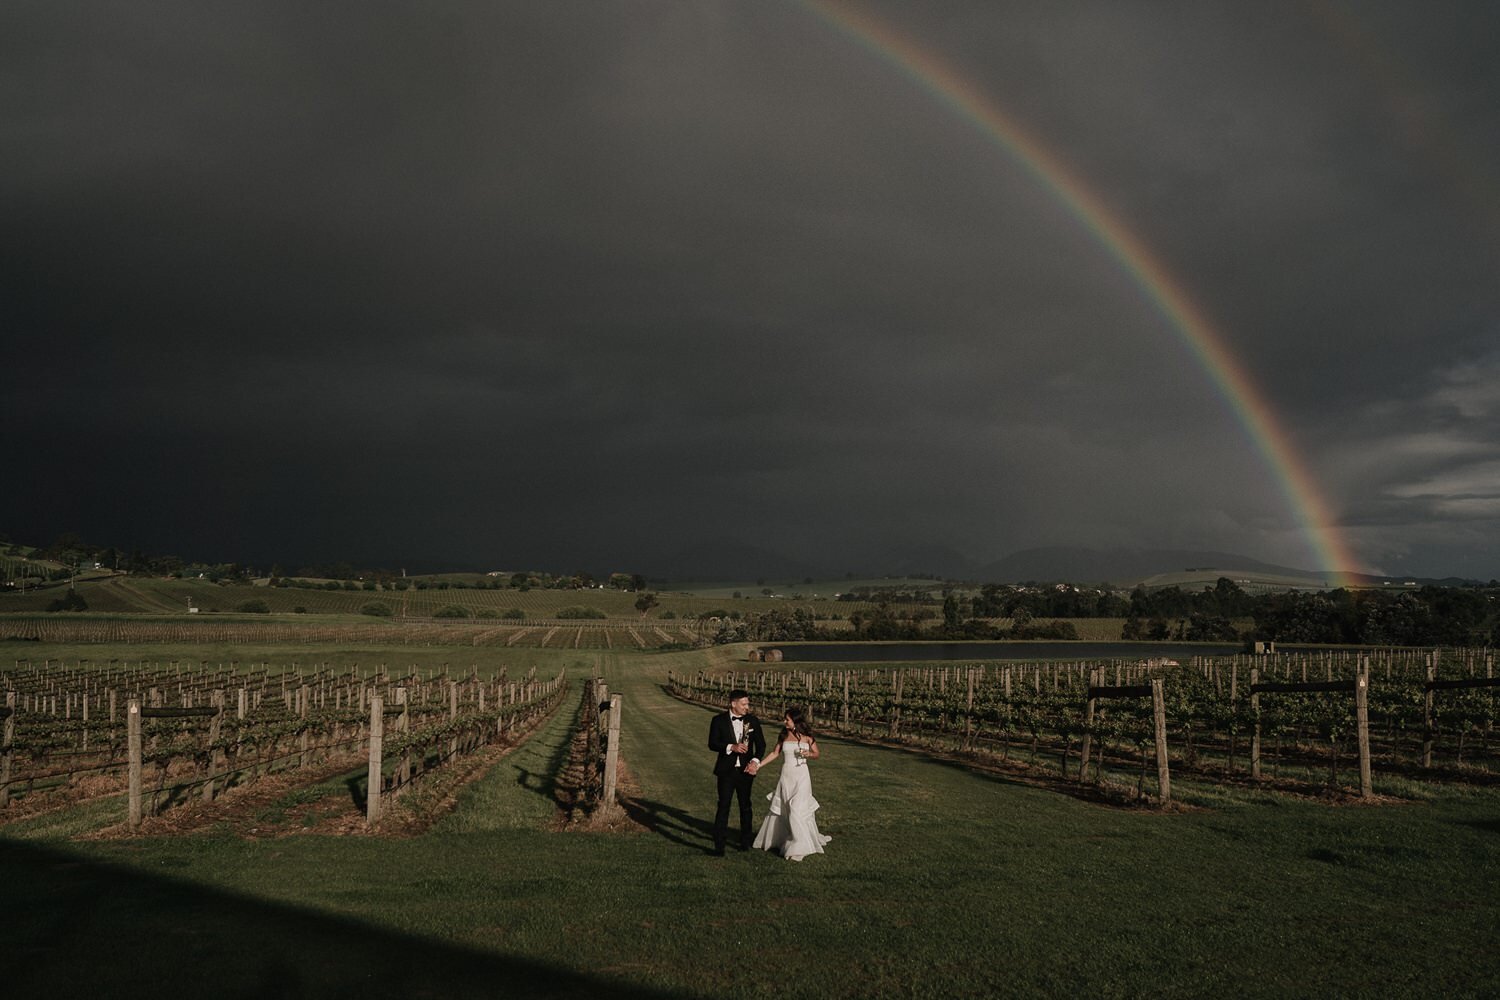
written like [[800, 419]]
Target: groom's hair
[[737, 694]]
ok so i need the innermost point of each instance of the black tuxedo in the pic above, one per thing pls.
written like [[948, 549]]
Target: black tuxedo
[[729, 769]]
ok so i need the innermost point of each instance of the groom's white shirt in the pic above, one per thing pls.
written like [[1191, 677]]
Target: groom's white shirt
[[739, 735]]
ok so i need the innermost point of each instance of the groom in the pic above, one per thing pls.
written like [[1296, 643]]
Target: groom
[[736, 737]]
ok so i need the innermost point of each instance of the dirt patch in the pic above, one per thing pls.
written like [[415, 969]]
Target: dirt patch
[[85, 789], [256, 810], [614, 817], [437, 795]]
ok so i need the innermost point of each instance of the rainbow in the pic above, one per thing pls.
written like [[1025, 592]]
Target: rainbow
[[1187, 321]]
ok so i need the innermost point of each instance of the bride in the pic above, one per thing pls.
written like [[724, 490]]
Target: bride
[[792, 826]]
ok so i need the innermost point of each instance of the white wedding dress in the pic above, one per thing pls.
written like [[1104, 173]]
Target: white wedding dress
[[791, 826]]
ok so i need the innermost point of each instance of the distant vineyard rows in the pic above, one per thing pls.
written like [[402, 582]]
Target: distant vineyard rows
[[256, 631]]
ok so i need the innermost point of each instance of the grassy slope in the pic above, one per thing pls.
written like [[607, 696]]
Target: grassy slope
[[939, 881]]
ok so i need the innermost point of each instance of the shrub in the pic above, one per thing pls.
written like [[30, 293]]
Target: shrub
[[514, 613], [71, 601], [668, 614], [255, 606], [487, 613], [1044, 630], [581, 612], [451, 611], [379, 609], [299, 610]]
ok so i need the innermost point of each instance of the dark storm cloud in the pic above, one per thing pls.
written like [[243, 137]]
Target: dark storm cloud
[[558, 283]]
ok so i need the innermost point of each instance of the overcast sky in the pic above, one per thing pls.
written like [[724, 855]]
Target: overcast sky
[[590, 283]]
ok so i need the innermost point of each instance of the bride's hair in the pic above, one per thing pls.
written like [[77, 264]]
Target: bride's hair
[[799, 725]]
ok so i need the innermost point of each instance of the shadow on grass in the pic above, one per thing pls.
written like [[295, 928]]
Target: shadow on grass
[[1487, 825], [1015, 773], [677, 825], [73, 926], [358, 786], [544, 782]]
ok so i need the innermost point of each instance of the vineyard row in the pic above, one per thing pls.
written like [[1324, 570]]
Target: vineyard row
[[1430, 713], [210, 740]]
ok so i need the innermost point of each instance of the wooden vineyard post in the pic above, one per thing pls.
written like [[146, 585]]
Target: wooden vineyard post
[[612, 752], [133, 755], [377, 740], [1159, 712], [214, 754], [304, 695], [1255, 714], [846, 701], [969, 714], [453, 714], [7, 737], [1427, 731], [894, 729], [1095, 680], [403, 725], [1362, 726]]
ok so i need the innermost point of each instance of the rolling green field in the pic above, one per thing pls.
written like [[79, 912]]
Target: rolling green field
[[940, 881], [123, 599], [137, 594]]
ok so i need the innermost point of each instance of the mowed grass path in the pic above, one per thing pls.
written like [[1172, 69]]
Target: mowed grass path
[[939, 882]]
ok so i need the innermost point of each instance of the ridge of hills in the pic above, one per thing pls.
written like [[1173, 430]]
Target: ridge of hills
[[732, 559], [1119, 567]]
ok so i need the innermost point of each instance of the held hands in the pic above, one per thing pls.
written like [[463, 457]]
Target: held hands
[[750, 768]]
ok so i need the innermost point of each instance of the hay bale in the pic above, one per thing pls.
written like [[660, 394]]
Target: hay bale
[[754, 656], [773, 656]]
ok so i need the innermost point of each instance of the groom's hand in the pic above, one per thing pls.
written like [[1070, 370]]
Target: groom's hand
[[752, 767]]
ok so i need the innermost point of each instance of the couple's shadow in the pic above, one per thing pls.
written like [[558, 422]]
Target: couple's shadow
[[677, 825]]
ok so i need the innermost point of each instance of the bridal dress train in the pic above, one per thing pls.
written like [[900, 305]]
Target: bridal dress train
[[791, 825]]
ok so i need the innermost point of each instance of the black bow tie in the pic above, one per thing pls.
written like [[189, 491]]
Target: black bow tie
[[736, 718]]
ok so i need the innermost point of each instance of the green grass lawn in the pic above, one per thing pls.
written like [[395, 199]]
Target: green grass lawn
[[939, 881]]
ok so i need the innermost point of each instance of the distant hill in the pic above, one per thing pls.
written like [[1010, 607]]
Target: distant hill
[[1127, 567], [913, 559], [724, 559]]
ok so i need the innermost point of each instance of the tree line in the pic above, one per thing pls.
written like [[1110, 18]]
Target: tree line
[[1427, 616]]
